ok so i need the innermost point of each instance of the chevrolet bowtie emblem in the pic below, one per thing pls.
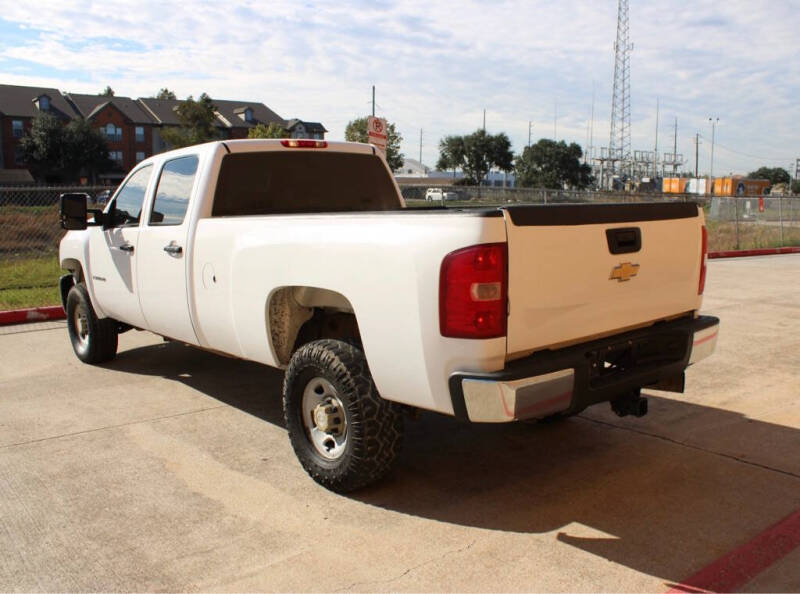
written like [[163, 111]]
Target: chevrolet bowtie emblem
[[624, 272]]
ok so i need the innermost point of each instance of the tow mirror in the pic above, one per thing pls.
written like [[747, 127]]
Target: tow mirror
[[72, 211]]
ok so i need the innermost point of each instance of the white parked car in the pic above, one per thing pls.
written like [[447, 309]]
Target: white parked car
[[299, 254], [434, 194]]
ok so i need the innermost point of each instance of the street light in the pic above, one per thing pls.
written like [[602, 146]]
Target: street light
[[714, 122]]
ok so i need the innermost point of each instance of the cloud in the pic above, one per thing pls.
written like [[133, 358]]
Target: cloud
[[437, 66]]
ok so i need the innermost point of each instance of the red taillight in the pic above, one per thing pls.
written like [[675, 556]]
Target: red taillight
[[472, 292], [296, 143], [703, 257]]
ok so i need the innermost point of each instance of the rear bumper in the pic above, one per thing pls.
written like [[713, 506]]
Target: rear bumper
[[572, 378]]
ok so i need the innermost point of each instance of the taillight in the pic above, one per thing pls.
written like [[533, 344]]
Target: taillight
[[703, 258], [296, 143], [473, 285]]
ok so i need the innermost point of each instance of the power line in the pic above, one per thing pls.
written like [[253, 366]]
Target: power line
[[762, 158]]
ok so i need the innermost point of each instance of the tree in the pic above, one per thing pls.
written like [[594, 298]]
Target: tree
[[165, 93], [86, 149], [551, 164], [451, 153], [107, 92], [197, 120], [56, 152], [796, 186], [475, 154], [273, 130], [356, 131], [776, 175]]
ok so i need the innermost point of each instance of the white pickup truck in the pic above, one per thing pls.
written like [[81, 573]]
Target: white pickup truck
[[299, 254]]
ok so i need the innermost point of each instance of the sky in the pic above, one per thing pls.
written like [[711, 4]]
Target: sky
[[438, 65]]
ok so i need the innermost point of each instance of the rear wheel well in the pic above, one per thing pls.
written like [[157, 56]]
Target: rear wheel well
[[299, 315]]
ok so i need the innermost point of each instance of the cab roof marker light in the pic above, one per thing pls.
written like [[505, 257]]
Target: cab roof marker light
[[298, 143]]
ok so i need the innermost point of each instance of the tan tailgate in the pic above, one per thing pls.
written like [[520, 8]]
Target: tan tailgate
[[566, 285]]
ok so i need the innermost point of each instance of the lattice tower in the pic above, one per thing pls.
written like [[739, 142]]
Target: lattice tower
[[620, 141]]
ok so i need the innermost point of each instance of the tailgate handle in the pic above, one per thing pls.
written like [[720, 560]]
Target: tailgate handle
[[624, 240]]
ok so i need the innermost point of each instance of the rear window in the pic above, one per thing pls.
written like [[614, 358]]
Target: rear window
[[296, 181]]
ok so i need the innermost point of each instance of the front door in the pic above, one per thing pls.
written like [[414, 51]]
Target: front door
[[113, 252], [162, 253]]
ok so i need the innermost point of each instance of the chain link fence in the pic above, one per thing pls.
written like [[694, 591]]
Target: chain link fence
[[29, 237], [30, 231]]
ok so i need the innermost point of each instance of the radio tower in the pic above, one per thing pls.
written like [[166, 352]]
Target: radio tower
[[620, 142]]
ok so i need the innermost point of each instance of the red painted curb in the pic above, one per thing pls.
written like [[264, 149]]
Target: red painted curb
[[759, 252], [33, 314], [732, 571]]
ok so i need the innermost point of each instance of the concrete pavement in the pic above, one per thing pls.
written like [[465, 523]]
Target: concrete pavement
[[169, 469]]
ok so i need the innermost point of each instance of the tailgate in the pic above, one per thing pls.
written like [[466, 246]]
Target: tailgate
[[578, 271]]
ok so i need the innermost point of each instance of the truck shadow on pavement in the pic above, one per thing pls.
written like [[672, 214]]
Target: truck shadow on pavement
[[664, 495]]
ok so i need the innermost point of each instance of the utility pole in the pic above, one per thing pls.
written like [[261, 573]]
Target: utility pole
[[484, 119], [655, 151], [714, 123], [696, 153], [420, 148], [373, 101], [530, 125], [555, 121], [675, 149], [591, 127]]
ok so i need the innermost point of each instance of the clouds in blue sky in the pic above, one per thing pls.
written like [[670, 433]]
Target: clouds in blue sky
[[437, 65]]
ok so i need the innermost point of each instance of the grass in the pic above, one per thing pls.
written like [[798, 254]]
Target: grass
[[29, 282], [752, 235]]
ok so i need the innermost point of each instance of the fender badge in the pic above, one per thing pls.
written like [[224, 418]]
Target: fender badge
[[624, 272]]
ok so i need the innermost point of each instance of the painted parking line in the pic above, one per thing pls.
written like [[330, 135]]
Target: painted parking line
[[733, 570]]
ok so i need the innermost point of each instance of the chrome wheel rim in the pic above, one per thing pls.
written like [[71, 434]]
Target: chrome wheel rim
[[80, 324], [324, 418]]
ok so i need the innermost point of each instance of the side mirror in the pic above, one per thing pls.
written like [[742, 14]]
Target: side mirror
[[72, 211], [156, 217]]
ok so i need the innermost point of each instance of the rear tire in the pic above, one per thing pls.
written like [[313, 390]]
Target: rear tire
[[93, 340], [344, 434]]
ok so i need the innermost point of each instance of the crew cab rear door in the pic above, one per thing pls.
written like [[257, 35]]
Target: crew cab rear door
[[162, 252], [582, 271]]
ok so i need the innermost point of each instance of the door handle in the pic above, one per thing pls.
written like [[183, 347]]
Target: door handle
[[173, 250], [126, 247]]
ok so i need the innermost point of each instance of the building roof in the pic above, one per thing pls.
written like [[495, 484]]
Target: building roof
[[90, 105], [233, 112], [310, 126], [230, 114], [161, 110], [19, 101]]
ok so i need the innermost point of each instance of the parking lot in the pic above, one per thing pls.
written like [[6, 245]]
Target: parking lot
[[170, 469]]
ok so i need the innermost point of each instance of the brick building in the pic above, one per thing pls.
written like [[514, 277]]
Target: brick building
[[18, 107], [130, 126], [125, 124]]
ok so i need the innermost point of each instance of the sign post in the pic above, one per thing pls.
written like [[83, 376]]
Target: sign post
[[376, 133]]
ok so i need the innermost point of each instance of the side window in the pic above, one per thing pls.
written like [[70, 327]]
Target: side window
[[128, 203], [174, 191]]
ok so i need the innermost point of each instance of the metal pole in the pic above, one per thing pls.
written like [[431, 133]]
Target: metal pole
[[530, 124], [696, 153], [780, 214], [736, 203], [675, 149], [484, 120], [655, 151], [713, 130], [420, 148], [555, 121], [373, 101]]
